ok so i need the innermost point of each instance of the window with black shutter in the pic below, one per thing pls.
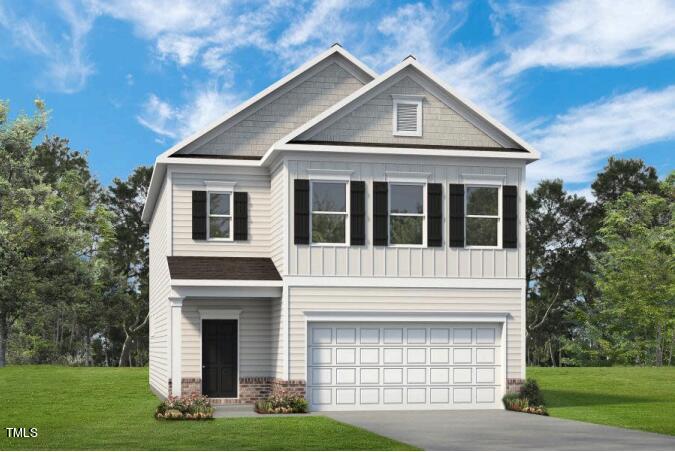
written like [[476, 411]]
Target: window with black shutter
[[357, 212], [301, 211], [198, 215], [435, 215], [380, 213], [510, 214], [456, 215], [240, 215]]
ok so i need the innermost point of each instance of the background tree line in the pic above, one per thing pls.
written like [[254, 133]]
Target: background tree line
[[74, 261]]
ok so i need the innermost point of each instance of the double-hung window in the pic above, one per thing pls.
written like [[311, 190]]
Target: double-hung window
[[406, 214], [220, 215], [483, 216], [329, 223]]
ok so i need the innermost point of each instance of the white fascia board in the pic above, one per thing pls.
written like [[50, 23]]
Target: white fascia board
[[156, 180], [225, 292], [410, 152], [404, 316], [224, 283], [414, 283]]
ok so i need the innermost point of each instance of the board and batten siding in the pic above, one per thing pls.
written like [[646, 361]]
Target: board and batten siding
[[257, 343], [254, 181], [405, 299], [401, 261], [159, 341]]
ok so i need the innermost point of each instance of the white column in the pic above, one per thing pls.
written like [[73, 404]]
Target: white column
[[176, 344]]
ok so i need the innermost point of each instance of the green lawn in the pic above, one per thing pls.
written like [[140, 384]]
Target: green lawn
[[101, 408], [632, 397]]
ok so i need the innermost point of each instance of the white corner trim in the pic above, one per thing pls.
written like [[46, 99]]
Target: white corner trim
[[219, 314], [217, 185], [404, 316], [405, 176], [483, 179], [329, 174]]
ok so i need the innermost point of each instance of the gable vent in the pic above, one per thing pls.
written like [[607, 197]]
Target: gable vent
[[407, 120]]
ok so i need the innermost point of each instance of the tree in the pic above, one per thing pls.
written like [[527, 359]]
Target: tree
[[624, 176], [636, 277], [128, 254], [557, 266]]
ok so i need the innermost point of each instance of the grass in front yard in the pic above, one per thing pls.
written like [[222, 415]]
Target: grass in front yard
[[640, 398], [104, 408]]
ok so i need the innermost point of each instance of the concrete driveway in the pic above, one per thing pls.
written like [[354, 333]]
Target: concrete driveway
[[499, 430]]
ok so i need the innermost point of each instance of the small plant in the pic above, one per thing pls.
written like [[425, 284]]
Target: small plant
[[282, 402], [530, 391], [192, 407], [528, 400]]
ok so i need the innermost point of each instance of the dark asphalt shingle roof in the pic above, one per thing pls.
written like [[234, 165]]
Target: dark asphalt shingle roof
[[233, 268]]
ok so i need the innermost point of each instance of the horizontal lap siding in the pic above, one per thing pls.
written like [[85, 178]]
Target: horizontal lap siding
[[254, 181], [256, 340], [277, 193], [439, 262], [158, 296], [413, 300]]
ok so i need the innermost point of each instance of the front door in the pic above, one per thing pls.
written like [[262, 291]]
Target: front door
[[219, 358]]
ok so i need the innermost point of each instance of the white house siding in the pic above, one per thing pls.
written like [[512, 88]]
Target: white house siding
[[278, 199], [414, 300], [438, 262], [257, 343], [254, 181], [326, 84], [371, 122], [159, 292]]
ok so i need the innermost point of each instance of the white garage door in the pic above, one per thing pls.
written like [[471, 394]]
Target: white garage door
[[393, 366]]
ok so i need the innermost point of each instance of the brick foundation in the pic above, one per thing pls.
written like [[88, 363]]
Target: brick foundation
[[251, 389], [514, 384]]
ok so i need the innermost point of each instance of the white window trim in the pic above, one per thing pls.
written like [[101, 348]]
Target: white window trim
[[346, 212], [209, 215], [499, 216], [423, 214], [402, 99], [320, 174]]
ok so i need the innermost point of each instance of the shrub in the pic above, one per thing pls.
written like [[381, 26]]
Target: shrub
[[282, 402], [530, 391], [193, 407]]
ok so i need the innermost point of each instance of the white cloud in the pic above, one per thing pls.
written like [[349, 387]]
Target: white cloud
[[585, 33], [575, 144], [313, 23], [204, 106]]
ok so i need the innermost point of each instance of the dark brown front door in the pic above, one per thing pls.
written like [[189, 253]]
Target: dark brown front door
[[219, 358]]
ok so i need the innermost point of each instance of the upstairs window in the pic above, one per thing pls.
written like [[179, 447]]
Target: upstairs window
[[406, 214], [482, 217], [220, 215], [407, 116], [329, 212]]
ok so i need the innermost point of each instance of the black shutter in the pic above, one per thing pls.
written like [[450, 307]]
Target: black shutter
[[380, 214], [240, 215], [510, 214], [457, 215], [434, 215], [198, 215], [301, 217], [357, 212]]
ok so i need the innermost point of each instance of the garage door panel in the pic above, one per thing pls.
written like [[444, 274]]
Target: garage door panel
[[386, 366]]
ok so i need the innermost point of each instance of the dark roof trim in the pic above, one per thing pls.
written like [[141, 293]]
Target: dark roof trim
[[408, 146], [223, 268], [217, 156]]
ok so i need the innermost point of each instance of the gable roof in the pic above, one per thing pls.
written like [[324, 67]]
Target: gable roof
[[364, 72], [508, 140]]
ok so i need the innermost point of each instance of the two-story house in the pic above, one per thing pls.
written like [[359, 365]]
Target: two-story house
[[355, 237]]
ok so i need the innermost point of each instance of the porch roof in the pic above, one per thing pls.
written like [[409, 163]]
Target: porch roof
[[222, 268]]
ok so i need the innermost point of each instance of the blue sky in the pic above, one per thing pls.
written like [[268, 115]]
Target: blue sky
[[581, 80]]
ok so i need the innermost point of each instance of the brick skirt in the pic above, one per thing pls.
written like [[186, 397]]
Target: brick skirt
[[251, 389]]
